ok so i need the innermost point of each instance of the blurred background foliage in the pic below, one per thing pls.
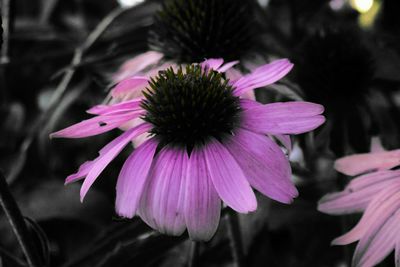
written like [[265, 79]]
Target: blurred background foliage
[[57, 59]]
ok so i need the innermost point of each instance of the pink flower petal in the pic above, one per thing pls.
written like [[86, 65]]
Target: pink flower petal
[[263, 76], [161, 204], [132, 178], [82, 172], [228, 66], [264, 165], [202, 204], [361, 163], [212, 63], [125, 106], [358, 194], [108, 153], [378, 241], [129, 85], [283, 118], [381, 206], [233, 75], [137, 64], [249, 104], [96, 125], [285, 141], [397, 250], [228, 178]]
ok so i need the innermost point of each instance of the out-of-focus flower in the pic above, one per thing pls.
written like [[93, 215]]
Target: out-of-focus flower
[[190, 31], [206, 144], [377, 195], [336, 70]]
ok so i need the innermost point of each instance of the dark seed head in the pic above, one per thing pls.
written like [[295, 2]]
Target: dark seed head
[[334, 66], [188, 106], [192, 30]]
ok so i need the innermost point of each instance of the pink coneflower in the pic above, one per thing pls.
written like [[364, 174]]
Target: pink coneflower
[[377, 195], [206, 144]]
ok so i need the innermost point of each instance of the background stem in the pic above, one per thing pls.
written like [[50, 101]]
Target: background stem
[[17, 223], [235, 238]]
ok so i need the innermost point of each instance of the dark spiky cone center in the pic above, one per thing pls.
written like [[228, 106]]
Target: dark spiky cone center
[[335, 66], [189, 106], [192, 30]]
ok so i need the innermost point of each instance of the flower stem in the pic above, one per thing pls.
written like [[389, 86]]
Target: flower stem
[[235, 238], [194, 254], [16, 220]]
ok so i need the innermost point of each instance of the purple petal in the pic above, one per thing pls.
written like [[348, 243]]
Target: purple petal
[[125, 106], [227, 66], [82, 172], [264, 165], [283, 118], [358, 194], [137, 65], [161, 204], [228, 178], [129, 85], [381, 206], [263, 76], [397, 250], [96, 125], [361, 163], [202, 204], [108, 153], [249, 104], [132, 178], [212, 63], [379, 240], [285, 141]]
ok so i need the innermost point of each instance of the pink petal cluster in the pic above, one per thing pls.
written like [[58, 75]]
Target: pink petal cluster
[[172, 190], [376, 193]]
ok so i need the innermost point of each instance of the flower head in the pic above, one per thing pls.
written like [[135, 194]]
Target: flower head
[[336, 70], [376, 193], [189, 31], [205, 144]]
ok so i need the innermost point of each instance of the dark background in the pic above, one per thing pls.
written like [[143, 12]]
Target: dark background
[[43, 89]]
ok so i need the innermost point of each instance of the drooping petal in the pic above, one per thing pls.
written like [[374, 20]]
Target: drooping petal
[[137, 64], [378, 241], [283, 118], [81, 173], [381, 206], [358, 194], [125, 106], [228, 178], [132, 178], [108, 153], [361, 163], [202, 204], [264, 165], [263, 76], [96, 125], [161, 204], [129, 85]]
